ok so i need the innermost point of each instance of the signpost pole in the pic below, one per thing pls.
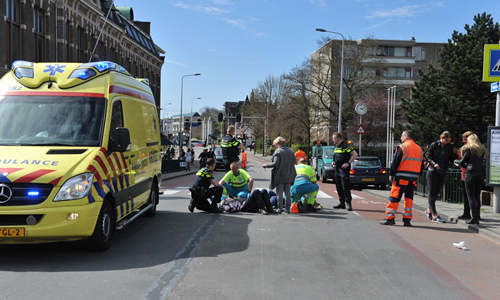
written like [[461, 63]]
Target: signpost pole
[[360, 116], [496, 189]]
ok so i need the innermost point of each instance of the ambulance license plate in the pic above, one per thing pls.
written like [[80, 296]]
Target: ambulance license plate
[[368, 179], [11, 232]]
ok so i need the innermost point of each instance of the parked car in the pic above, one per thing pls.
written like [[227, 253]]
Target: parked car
[[367, 170], [219, 160]]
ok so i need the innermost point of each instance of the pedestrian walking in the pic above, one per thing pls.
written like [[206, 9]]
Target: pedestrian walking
[[439, 155], [283, 173], [188, 160], [405, 169], [343, 156], [473, 155]]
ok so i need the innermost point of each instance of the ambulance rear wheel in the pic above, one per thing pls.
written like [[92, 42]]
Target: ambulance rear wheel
[[104, 229], [153, 199]]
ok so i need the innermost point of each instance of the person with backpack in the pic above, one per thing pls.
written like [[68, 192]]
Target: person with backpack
[[439, 155]]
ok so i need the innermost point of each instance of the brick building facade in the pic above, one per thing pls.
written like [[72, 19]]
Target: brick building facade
[[79, 31]]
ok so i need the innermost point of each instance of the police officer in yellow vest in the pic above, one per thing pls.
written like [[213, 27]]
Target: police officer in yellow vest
[[230, 148], [405, 170], [201, 190], [343, 156]]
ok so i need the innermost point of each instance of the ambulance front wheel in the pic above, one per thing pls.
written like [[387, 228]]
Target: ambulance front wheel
[[153, 199], [104, 229]]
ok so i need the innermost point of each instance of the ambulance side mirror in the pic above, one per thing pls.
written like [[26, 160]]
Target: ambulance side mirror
[[122, 139]]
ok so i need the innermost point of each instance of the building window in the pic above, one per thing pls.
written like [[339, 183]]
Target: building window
[[408, 73], [385, 51], [82, 41], [39, 30], [420, 53], [408, 52], [438, 54], [13, 30]]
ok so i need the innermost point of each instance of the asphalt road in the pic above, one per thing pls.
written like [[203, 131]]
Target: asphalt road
[[331, 254]]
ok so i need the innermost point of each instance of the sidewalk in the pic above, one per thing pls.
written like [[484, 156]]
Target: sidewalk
[[489, 225]]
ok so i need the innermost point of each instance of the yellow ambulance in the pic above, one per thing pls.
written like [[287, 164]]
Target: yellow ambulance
[[79, 152]]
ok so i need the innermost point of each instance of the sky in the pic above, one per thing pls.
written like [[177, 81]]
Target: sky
[[237, 44]]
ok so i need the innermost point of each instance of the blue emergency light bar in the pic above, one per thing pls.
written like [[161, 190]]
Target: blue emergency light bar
[[87, 70]]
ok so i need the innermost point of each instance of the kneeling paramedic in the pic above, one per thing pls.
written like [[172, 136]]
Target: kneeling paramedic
[[201, 190], [405, 170]]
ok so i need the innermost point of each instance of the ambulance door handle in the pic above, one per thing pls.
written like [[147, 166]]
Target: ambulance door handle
[[133, 155]]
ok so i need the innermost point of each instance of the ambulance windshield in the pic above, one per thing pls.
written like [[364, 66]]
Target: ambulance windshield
[[47, 120]]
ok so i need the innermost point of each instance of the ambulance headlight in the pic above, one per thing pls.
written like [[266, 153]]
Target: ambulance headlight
[[75, 188]]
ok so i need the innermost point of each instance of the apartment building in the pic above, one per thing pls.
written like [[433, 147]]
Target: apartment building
[[369, 66]]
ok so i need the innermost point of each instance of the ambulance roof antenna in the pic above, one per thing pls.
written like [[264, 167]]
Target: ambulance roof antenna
[[100, 32]]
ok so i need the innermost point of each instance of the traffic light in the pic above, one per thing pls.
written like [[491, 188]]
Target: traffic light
[[238, 118], [186, 125], [220, 117], [199, 121]]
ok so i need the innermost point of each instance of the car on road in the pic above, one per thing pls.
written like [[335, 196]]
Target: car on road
[[219, 160], [322, 163], [367, 170]]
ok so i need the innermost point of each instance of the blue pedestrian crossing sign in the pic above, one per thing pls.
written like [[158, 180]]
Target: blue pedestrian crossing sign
[[491, 63]]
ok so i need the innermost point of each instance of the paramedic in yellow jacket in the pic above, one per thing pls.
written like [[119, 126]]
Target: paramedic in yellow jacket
[[237, 183], [405, 170], [305, 185]]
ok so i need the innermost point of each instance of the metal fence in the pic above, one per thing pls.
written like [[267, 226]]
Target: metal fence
[[452, 191]]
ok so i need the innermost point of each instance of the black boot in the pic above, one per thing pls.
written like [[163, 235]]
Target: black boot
[[341, 205], [348, 206], [388, 222], [406, 222]]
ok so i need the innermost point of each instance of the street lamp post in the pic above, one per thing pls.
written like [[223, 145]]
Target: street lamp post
[[180, 118], [191, 120], [339, 126]]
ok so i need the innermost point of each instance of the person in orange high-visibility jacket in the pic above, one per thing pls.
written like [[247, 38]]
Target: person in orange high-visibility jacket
[[405, 170], [243, 159], [300, 154]]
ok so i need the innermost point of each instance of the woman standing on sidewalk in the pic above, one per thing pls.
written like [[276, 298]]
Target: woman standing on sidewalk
[[438, 155], [473, 155], [466, 215]]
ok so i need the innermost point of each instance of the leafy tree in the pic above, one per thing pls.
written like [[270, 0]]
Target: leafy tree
[[454, 97]]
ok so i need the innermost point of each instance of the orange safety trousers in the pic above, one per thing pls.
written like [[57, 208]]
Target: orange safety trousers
[[244, 160], [399, 188]]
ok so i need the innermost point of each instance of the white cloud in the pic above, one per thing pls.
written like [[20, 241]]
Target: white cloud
[[404, 11], [220, 13], [175, 63], [203, 8], [320, 3]]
